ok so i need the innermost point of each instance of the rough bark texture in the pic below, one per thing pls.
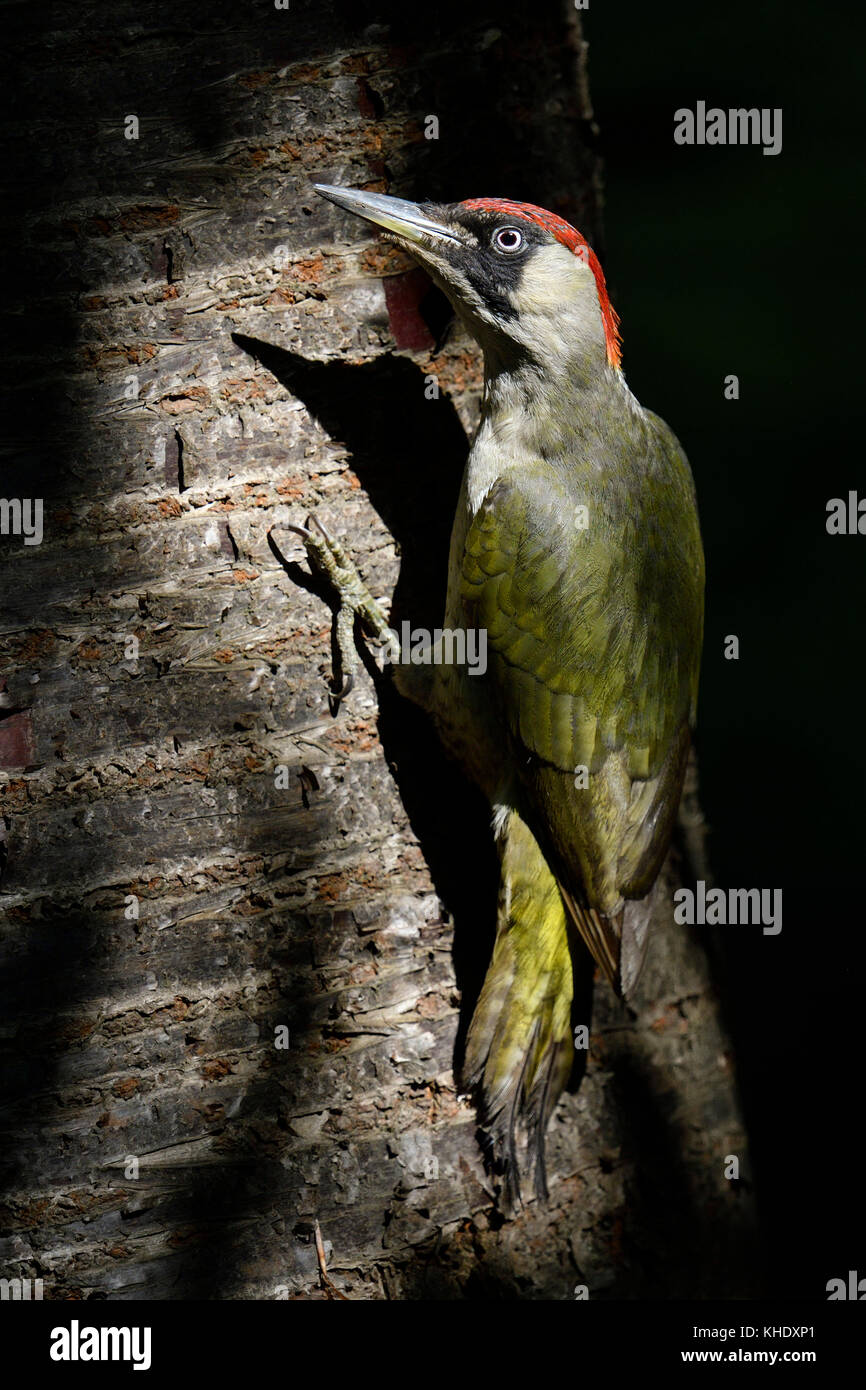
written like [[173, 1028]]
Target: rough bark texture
[[206, 352]]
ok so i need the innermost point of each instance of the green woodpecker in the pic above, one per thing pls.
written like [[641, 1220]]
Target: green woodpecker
[[576, 546]]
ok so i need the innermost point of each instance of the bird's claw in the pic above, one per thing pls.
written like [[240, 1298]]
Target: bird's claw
[[355, 600], [307, 531], [336, 697]]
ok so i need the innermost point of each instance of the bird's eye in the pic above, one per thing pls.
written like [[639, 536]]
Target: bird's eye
[[508, 239]]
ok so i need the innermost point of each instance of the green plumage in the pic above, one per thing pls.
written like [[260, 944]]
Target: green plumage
[[584, 566], [519, 1050], [594, 626]]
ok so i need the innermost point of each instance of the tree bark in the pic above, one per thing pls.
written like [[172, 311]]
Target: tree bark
[[199, 857]]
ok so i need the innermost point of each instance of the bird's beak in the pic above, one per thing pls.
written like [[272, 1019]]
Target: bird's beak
[[402, 219]]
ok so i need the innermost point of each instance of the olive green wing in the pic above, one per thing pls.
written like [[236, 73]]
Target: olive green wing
[[592, 603]]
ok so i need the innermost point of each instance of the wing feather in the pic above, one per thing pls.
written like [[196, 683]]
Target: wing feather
[[594, 638]]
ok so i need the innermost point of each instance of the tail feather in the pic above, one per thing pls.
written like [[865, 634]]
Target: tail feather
[[617, 944], [601, 934], [519, 1051]]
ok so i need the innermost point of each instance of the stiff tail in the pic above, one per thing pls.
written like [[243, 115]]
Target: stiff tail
[[618, 945], [519, 1051]]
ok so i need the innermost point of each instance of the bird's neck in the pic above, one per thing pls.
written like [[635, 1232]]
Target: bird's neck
[[533, 412], [536, 408]]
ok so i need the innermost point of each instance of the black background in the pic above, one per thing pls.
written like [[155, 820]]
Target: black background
[[723, 260]]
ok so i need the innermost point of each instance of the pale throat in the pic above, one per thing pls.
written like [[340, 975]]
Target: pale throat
[[527, 391]]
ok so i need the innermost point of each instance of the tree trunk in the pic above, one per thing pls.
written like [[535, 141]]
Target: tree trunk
[[202, 864]]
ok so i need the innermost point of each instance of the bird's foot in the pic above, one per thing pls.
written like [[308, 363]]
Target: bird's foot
[[328, 557]]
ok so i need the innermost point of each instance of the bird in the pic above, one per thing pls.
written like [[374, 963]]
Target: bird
[[576, 549]]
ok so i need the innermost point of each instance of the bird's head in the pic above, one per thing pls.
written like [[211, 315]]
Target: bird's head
[[526, 282]]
